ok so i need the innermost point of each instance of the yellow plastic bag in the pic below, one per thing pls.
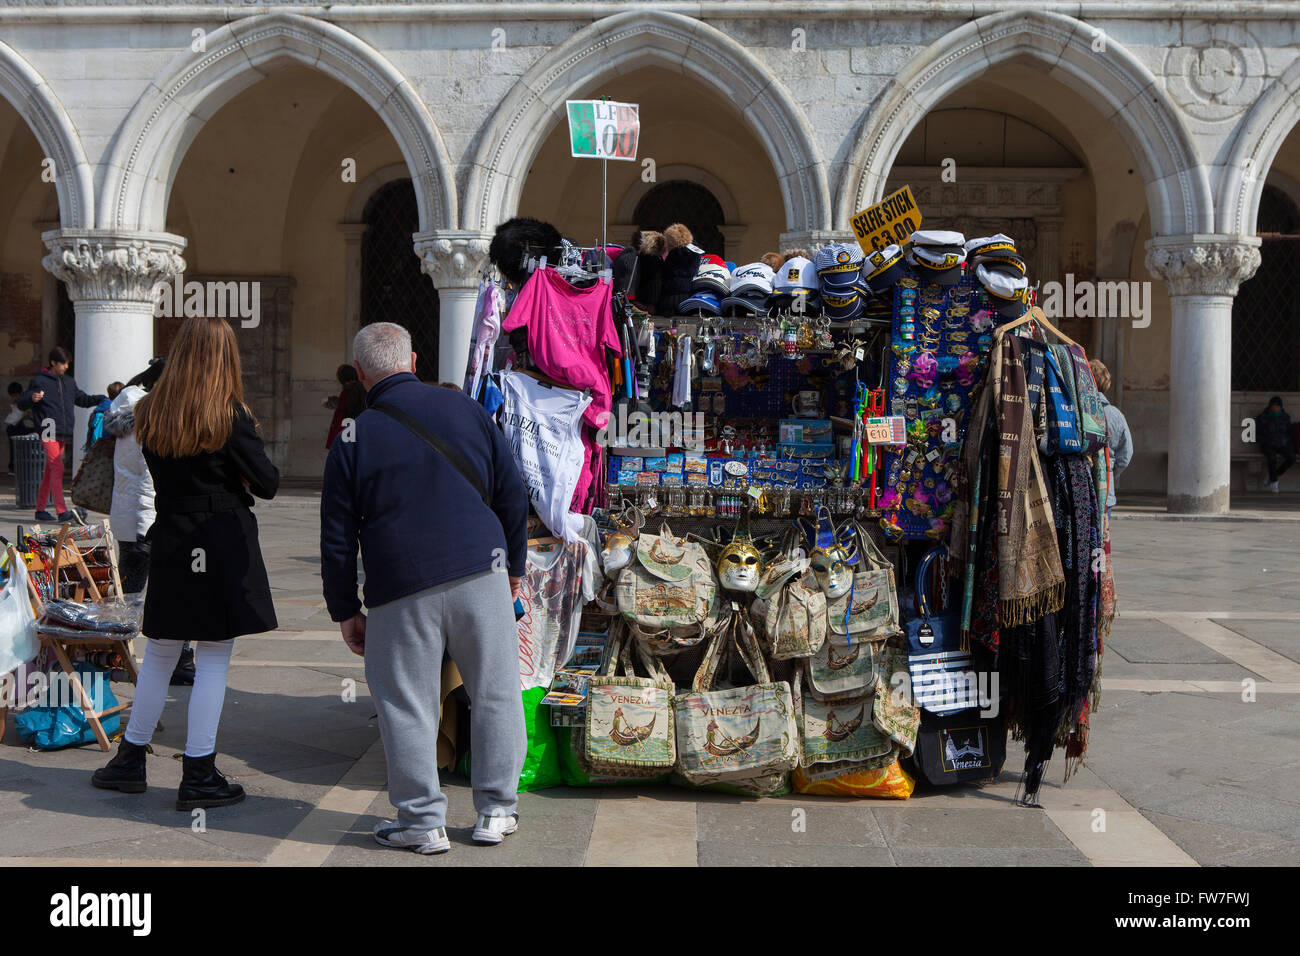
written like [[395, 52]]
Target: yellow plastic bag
[[890, 782]]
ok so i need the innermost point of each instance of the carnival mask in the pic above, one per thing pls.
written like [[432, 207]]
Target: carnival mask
[[833, 570], [617, 553], [832, 553], [739, 566], [924, 370], [620, 544]]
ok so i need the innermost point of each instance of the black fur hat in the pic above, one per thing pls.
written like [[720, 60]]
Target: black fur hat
[[513, 237]]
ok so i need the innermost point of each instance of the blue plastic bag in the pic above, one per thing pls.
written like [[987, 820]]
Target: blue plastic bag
[[49, 727]]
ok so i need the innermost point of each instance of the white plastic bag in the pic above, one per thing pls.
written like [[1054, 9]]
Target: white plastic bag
[[18, 641]]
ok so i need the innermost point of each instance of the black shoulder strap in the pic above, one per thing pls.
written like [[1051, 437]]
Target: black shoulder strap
[[422, 432]]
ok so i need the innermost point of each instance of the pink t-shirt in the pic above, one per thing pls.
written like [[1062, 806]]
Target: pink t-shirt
[[568, 332]]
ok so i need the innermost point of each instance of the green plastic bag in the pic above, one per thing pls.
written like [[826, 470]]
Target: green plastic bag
[[575, 776], [542, 762]]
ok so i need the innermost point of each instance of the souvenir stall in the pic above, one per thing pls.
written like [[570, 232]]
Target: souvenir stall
[[768, 552]]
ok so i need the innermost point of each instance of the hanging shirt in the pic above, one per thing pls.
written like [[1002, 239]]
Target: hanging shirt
[[558, 581], [487, 328], [568, 332], [543, 427]]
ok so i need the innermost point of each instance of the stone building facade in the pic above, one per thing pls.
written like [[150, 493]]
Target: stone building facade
[[354, 160]]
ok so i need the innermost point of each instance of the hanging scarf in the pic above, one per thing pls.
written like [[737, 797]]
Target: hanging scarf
[[1030, 582], [1099, 600]]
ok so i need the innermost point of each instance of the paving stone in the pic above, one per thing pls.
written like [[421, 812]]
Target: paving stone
[[986, 856], [851, 825], [1280, 636], [812, 854], [1154, 642], [1003, 827], [1241, 809], [1213, 845]]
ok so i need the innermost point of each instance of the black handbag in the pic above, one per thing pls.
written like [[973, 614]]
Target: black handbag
[[959, 748]]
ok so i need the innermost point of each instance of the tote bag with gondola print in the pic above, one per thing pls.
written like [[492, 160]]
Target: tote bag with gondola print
[[738, 733], [629, 730], [835, 731]]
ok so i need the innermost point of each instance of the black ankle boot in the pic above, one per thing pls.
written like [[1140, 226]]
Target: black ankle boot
[[183, 675], [202, 785], [125, 772]]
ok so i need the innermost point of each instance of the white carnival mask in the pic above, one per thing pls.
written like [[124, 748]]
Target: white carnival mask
[[833, 571], [739, 566], [617, 553]]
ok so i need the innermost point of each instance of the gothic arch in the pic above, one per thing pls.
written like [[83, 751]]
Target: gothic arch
[[49, 122], [1123, 89], [625, 212], [160, 127], [617, 44], [1252, 149]]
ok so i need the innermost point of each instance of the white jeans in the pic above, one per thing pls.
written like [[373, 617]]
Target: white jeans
[[211, 662]]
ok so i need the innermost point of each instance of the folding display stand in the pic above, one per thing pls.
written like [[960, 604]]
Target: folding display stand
[[67, 556]]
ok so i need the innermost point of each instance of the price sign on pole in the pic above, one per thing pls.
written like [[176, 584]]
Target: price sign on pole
[[600, 129], [887, 431]]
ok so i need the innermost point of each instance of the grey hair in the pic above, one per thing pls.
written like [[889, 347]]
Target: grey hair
[[381, 349]]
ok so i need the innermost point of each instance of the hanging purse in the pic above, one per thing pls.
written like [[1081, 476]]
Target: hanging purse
[[795, 619], [669, 593], [943, 676], [92, 488], [629, 730], [841, 669], [869, 612], [837, 732], [739, 733]]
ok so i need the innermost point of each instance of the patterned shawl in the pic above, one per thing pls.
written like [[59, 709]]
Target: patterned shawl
[[1030, 580]]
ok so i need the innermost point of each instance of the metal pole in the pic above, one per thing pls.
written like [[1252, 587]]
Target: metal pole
[[604, 206]]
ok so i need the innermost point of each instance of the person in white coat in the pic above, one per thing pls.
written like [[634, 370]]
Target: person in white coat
[[133, 499]]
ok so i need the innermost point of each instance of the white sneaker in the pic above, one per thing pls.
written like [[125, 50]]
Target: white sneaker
[[425, 842], [1272, 486], [495, 829]]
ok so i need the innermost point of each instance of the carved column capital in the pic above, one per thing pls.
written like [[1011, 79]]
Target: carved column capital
[[1203, 264], [113, 266], [453, 258]]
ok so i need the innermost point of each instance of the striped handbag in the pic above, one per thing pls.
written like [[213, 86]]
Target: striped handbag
[[943, 676]]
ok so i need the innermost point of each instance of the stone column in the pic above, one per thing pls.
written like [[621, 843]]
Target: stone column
[[814, 239], [455, 260], [111, 277], [1202, 273]]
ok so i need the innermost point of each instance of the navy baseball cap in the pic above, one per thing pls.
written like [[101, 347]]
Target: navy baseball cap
[[709, 302]]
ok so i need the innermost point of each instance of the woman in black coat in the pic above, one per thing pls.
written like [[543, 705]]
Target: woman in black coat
[[207, 581]]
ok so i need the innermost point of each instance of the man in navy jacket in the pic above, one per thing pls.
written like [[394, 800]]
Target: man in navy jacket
[[53, 397], [444, 553]]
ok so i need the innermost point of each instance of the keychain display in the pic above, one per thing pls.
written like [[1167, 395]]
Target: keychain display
[[939, 347]]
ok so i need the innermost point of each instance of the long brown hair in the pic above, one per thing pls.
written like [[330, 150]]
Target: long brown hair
[[193, 406]]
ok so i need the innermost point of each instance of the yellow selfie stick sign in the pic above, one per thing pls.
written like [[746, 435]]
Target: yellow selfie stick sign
[[889, 222]]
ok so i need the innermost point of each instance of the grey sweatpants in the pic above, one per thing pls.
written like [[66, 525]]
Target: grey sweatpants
[[473, 619]]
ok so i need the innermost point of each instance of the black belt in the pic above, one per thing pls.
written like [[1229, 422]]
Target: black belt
[[193, 504]]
